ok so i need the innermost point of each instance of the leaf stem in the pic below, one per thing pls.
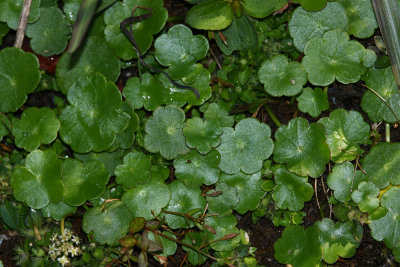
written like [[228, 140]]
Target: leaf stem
[[23, 21], [272, 115], [387, 132]]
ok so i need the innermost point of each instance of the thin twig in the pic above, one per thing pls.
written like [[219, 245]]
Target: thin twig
[[23, 21], [316, 193], [215, 58], [326, 195]]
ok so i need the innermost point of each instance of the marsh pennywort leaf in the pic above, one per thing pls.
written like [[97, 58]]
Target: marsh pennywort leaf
[[125, 139], [164, 132], [241, 35], [195, 169], [10, 11], [146, 92], [107, 225], [305, 25], [302, 147], [135, 170], [343, 180], [335, 56], [337, 240], [183, 199], [311, 5], [19, 76], [210, 15], [202, 135], [169, 246], [215, 113], [93, 56], [83, 181], [110, 160], [5, 125], [196, 239], [245, 147], [144, 198], [38, 182], [382, 81], [387, 228], [313, 101], [222, 199], [382, 164], [223, 226], [179, 49], [291, 191], [261, 9], [362, 22], [50, 33], [94, 117], [298, 247], [248, 188], [281, 77], [58, 210], [36, 126], [143, 31], [71, 8], [345, 130], [366, 196]]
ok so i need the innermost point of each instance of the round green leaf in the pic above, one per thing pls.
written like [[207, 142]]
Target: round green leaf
[[107, 225], [144, 198], [210, 15], [50, 33], [311, 5], [195, 169], [83, 181], [135, 170], [382, 81], [94, 117], [125, 139], [261, 9], [58, 210], [362, 22], [382, 164], [298, 247], [302, 147], [5, 126], [196, 239], [248, 189], [305, 25], [214, 113], [333, 56], [147, 92], [337, 240], [164, 132], [142, 30], [71, 9], [183, 199], [246, 147], [110, 160], [19, 76], [291, 191], [38, 182], [366, 196], [313, 101], [202, 135], [169, 246], [223, 226], [93, 56], [281, 77], [36, 126], [345, 130], [222, 199], [10, 11]]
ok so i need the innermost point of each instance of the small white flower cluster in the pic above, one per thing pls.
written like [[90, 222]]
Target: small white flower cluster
[[64, 246]]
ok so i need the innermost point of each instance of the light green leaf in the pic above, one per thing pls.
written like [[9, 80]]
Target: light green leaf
[[313, 101], [135, 170], [305, 25], [337, 240], [366, 196], [58, 210], [19, 76], [335, 56], [107, 225], [302, 147], [246, 147], [210, 15], [311, 5], [144, 198], [281, 77], [196, 239], [202, 135], [71, 8], [169, 246], [10, 11], [110, 160], [143, 31], [50, 33], [38, 182], [164, 132], [248, 189], [183, 199], [94, 113], [83, 181], [125, 139], [223, 226], [345, 130], [260, 8], [195, 169], [291, 191], [36, 126], [219, 115], [222, 199]]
